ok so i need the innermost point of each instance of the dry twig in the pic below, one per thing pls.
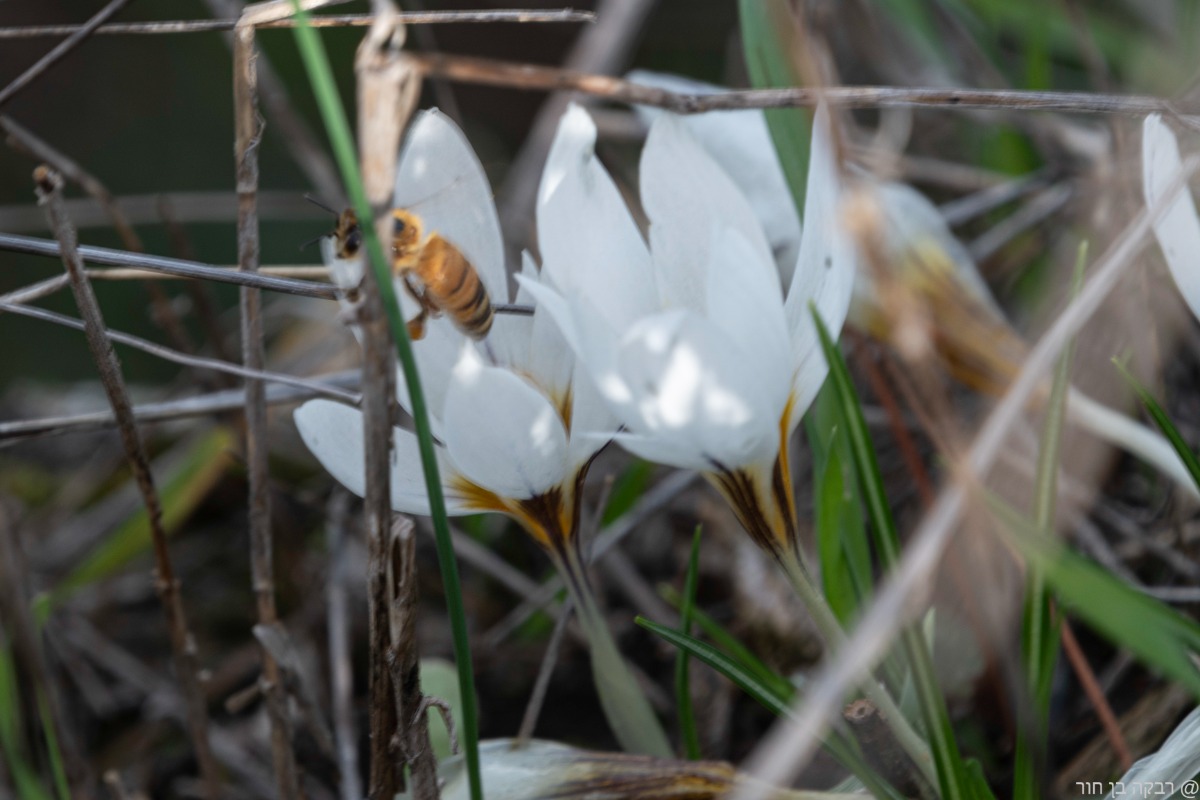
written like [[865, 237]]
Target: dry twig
[[49, 187], [248, 127], [386, 98], [77, 35], [341, 673], [326, 21]]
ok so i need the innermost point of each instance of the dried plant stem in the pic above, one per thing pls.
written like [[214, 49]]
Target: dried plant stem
[[404, 663], [341, 672], [199, 406], [197, 362], [183, 646], [61, 49], [248, 134], [384, 110], [537, 697], [326, 21], [491, 72], [1087, 678]]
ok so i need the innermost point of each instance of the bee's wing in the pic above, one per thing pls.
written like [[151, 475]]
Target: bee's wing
[[441, 180]]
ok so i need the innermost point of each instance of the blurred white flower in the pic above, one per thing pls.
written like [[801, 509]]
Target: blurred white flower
[[690, 339], [505, 425], [1178, 229]]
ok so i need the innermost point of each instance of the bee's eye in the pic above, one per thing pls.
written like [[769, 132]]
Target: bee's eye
[[354, 241], [400, 226]]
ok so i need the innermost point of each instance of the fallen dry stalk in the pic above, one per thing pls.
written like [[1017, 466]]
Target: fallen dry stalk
[[183, 647], [533, 15], [513, 75], [248, 127]]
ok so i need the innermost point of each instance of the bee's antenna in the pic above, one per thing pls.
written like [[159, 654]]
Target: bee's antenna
[[319, 204], [313, 241]]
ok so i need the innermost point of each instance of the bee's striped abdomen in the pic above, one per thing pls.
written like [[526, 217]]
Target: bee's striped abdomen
[[453, 285]]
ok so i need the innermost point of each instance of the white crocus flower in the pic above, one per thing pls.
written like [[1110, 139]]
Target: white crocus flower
[[690, 339], [1178, 228], [516, 421]]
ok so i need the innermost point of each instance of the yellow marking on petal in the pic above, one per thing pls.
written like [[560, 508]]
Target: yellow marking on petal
[[475, 497]]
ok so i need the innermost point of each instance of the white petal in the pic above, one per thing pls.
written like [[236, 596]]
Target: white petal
[[501, 432], [744, 300], [592, 422], [693, 388], [741, 143], [589, 243], [436, 355], [550, 360], [1177, 230], [687, 195], [440, 179], [825, 268], [333, 433]]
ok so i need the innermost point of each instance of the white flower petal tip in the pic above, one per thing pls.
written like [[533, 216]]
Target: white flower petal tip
[[1178, 228], [574, 141], [333, 432]]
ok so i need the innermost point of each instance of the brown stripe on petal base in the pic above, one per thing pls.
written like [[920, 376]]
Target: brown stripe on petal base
[[766, 529]]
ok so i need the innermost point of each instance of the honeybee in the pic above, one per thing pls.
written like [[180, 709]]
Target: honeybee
[[435, 272]]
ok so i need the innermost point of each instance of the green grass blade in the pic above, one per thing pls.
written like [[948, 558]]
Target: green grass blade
[[54, 754], [770, 41], [1161, 637], [951, 769], [320, 76], [203, 464], [1164, 424], [683, 694], [24, 776], [1039, 631], [845, 750], [729, 644]]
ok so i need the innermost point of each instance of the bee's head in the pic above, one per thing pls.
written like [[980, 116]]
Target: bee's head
[[348, 235], [406, 233]]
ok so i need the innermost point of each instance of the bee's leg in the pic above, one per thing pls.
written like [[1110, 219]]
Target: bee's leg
[[416, 326], [489, 352], [416, 290]]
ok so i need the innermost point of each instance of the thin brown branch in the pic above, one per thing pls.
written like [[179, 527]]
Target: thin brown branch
[[341, 672], [325, 21], [49, 186], [536, 77], [248, 129], [404, 662], [1087, 679], [77, 36], [198, 362], [385, 101], [537, 697]]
